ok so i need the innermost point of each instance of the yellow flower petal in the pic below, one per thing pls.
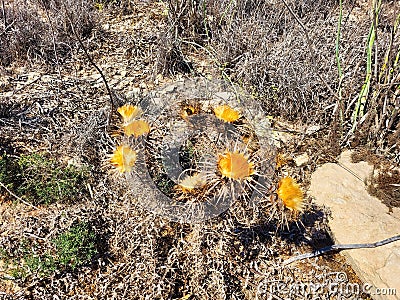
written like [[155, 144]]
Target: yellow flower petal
[[129, 112], [226, 113], [235, 165], [137, 128], [291, 194], [123, 158]]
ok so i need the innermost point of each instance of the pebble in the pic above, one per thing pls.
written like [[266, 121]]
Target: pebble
[[302, 159]]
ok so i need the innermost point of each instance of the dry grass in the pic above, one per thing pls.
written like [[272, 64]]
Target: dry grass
[[140, 255], [290, 64], [40, 30]]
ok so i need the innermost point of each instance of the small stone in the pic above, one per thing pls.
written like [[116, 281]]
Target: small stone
[[121, 85], [8, 94], [94, 77], [46, 78], [169, 88], [158, 79], [75, 162], [302, 160], [4, 82], [280, 138], [32, 76]]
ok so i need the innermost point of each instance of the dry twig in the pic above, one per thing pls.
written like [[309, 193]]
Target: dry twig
[[341, 247], [18, 198]]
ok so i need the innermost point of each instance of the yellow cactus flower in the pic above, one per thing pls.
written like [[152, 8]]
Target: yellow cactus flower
[[137, 128], [129, 112], [123, 158], [291, 194], [235, 165], [226, 113]]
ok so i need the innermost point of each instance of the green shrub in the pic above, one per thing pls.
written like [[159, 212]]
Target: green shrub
[[43, 265], [73, 248], [76, 246], [40, 180]]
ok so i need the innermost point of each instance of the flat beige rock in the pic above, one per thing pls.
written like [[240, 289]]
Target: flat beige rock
[[358, 217]]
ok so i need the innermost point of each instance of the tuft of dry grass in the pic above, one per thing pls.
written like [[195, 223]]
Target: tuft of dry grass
[[386, 187], [39, 30], [283, 52]]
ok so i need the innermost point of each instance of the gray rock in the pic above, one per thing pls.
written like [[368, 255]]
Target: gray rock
[[312, 129], [358, 217], [169, 88]]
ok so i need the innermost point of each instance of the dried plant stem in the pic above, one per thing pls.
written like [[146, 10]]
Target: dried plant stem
[[340, 247], [4, 14], [375, 13], [396, 93], [340, 72], [225, 12], [388, 50], [388, 79], [205, 19], [217, 63], [94, 65], [53, 38], [16, 197], [8, 27]]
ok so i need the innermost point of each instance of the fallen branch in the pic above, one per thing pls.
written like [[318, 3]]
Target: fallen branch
[[18, 198], [339, 248]]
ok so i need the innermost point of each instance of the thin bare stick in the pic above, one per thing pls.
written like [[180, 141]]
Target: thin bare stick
[[341, 247], [16, 197], [93, 63], [8, 27], [312, 52], [4, 14]]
